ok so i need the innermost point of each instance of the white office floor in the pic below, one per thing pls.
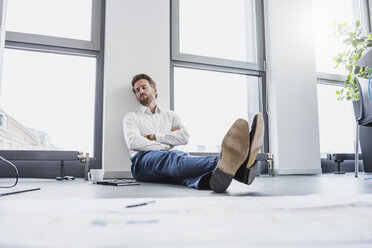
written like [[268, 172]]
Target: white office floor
[[284, 211]]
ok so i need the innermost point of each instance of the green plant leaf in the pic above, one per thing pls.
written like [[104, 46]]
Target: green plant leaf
[[356, 43]]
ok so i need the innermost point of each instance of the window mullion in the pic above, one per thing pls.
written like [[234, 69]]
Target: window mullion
[[97, 6], [50, 41], [2, 33]]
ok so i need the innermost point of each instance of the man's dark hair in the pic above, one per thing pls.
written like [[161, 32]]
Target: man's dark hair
[[138, 77]]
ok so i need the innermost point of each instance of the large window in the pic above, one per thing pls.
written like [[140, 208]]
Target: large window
[[218, 67], [48, 17], [218, 32], [228, 24], [209, 102], [52, 100], [325, 13], [336, 121], [336, 118], [51, 77]]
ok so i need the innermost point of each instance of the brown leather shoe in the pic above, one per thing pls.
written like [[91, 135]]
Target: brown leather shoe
[[234, 151], [247, 172]]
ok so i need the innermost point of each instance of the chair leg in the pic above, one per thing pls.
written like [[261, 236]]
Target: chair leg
[[356, 150]]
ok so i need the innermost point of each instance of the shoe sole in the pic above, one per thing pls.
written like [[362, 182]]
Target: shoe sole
[[234, 151], [256, 137]]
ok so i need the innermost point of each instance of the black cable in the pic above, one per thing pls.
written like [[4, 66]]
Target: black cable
[[16, 171]]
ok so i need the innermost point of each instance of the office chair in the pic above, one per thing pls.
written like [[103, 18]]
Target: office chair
[[364, 117]]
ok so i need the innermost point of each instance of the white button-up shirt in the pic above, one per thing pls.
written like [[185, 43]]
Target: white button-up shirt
[[142, 122]]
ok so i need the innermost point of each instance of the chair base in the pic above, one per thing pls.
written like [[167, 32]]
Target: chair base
[[339, 172]]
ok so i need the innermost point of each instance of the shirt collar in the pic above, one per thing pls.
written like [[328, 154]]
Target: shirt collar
[[145, 109]]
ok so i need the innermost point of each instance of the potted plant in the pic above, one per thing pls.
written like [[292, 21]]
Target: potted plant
[[357, 45]]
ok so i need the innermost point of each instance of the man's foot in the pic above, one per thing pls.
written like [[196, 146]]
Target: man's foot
[[247, 172], [234, 151]]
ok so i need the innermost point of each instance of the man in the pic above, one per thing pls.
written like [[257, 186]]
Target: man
[[151, 134]]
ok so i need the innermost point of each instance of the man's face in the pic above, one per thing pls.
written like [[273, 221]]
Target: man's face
[[144, 92]]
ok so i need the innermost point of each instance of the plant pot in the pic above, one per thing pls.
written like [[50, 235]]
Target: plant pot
[[365, 139]]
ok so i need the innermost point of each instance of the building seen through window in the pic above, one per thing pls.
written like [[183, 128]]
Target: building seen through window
[[13, 135]]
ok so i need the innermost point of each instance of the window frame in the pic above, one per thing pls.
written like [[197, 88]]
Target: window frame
[[59, 45], [198, 62]]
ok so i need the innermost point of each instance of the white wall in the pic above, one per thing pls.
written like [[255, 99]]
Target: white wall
[[136, 41], [291, 82]]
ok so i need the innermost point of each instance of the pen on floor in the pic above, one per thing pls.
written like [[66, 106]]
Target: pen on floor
[[139, 204], [17, 192]]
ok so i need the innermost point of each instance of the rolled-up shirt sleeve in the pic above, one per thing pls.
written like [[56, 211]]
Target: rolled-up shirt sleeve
[[134, 140], [175, 138]]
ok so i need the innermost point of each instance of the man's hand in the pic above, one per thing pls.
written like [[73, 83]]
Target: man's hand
[[151, 137], [175, 129]]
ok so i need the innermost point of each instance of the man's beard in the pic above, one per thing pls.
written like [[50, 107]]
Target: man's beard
[[146, 100]]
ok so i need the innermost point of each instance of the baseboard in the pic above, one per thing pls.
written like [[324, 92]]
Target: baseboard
[[297, 171], [118, 174]]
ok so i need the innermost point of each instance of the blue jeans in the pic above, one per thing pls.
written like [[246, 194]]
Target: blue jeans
[[174, 167]]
